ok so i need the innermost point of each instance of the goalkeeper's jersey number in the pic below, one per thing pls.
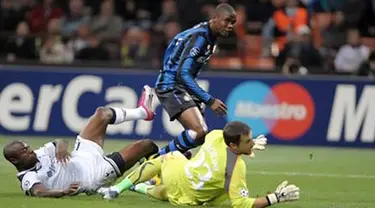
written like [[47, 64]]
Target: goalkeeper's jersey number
[[203, 178]]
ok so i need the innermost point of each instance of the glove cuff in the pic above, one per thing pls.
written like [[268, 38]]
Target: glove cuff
[[272, 199]]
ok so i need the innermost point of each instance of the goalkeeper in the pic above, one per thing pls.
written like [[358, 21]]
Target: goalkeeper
[[215, 175]]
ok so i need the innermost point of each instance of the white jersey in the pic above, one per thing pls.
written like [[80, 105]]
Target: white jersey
[[87, 165]]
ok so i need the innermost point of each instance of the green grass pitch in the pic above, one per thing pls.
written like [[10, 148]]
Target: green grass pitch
[[327, 177]]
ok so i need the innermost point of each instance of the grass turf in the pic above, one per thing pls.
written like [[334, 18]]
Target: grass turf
[[327, 177]]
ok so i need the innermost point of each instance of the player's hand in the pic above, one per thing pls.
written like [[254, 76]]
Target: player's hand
[[284, 192], [260, 142], [73, 189], [62, 153], [219, 108]]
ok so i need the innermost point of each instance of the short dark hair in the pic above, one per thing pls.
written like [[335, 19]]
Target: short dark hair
[[233, 132], [224, 8], [8, 150]]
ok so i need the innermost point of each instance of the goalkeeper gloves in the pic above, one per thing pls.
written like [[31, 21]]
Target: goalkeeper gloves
[[260, 143], [283, 193]]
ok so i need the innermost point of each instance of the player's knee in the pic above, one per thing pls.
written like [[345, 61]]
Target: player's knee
[[201, 131], [149, 146], [103, 113]]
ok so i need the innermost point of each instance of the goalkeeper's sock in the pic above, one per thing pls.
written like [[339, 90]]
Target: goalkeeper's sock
[[183, 142], [141, 188], [123, 185]]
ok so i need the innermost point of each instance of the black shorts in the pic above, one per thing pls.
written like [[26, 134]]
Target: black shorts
[[177, 100], [116, 162]]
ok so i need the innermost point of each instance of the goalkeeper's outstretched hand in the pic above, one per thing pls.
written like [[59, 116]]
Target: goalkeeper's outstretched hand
[[284, 192], [260, 144]]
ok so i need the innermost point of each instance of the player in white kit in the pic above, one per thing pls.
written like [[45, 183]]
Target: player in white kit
[[51, 171]]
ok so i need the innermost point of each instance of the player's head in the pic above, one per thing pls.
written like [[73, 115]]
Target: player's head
[[20, 155], [238, 137], [223, 20]]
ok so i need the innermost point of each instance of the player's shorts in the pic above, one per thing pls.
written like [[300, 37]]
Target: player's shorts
[[176, 100], [172, 173], [99, 169]]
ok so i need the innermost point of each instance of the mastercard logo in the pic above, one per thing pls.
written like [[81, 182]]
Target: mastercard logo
[[286, 110]]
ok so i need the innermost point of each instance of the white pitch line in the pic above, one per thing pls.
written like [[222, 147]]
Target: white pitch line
[[311, 174]]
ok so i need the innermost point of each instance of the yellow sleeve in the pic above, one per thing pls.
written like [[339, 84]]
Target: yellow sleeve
[[238, 192]]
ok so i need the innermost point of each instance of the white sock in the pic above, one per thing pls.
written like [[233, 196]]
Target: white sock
[[125, 114]]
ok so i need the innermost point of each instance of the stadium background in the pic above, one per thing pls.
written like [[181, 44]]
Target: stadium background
[[301, 72]]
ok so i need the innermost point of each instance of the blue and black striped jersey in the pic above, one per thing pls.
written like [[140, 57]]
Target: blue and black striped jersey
[[184, 58]]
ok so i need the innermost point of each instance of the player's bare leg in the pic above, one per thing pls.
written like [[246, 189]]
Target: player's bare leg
[[96, 128], [193, 136]]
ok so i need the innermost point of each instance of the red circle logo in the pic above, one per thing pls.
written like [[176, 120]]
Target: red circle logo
[[295, 110]]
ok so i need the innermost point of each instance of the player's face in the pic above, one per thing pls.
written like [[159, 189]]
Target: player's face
[[224, 23], [26, 156], [246, 144]]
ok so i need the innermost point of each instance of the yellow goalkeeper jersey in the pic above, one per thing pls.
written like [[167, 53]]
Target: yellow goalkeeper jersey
[[216, 174]]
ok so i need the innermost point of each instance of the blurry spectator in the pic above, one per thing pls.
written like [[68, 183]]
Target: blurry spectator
[[80, 40], [169, 12], [9, 16], [353, 11], [269, 30], [93, 51], [42, 14], [351, 55], [258, 13], [53, 50], [367, 22], [368, 67], [138, 12], [75, 18], [335, 35], [134, 47], [160, 41], [107, 25], [328, 5], [333, 38], [21, 46], [288, 20], [24, 7], [189, 14], [300, 52]]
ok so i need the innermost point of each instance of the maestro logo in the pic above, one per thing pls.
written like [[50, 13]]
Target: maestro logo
[[286, 110]]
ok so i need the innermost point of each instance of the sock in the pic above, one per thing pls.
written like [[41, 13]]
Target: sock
[[123, 185], [121, 115], [141, 188], [184, 141]]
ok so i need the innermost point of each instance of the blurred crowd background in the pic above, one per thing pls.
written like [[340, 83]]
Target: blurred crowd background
[[286, 36]]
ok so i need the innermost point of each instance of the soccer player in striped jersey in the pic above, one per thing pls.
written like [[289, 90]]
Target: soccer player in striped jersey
[[176, 86], [217, 174]]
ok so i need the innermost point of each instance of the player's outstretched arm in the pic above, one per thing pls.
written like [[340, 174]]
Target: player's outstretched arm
[[284, 192], [39, 190]]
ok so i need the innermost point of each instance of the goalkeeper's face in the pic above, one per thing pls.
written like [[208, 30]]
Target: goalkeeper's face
[[246, 144]]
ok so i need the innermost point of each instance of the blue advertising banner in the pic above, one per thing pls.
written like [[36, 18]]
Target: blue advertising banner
[[315, 111]]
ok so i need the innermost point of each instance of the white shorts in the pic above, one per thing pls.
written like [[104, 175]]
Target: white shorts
[[97, 169]]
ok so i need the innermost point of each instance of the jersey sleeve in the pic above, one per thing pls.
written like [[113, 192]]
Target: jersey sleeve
[[49, 148], [194, 47], [237, 190], [28, 181]]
